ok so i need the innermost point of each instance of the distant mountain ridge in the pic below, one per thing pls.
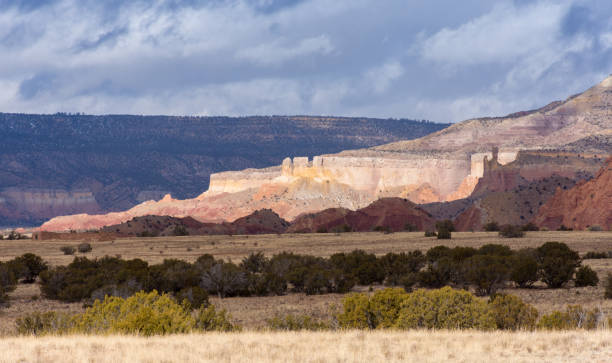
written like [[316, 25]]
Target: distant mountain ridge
[[441, 167], [62, 164]]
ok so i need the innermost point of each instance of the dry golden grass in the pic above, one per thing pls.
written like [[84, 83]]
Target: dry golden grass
[[155, 250], [26, 299], [347, 346]]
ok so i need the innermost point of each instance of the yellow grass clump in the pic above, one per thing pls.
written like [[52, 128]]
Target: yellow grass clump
[[340, 346]]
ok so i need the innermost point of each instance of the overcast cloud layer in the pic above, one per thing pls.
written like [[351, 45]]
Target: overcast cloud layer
[[439, 60]]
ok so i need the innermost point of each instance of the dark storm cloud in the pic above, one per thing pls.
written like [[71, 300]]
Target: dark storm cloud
[[391, 58]]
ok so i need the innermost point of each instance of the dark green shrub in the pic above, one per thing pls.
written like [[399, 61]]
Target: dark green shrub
[[595, 228], [557, 263], [608, 286], [495, 250], [8, 282], [564, 228], [68, 250], [365, 267], [430, 234], [444, 234], [491, 227], [487, 273], [511, 313], [254, 262], [397, 266], [29, 266], [194, 295], [524, 268], [438, 273], [292, 322], [585, 276], [79, 279], [204, 262], [225, 279], [437, 252], [510, 231], [317, 281], [459, 254], [172, 276], [123, 290], [408, 281], [269, 283], [446, 224], [84, 247]]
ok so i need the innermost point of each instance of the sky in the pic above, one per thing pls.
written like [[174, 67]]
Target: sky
[[441, 60]]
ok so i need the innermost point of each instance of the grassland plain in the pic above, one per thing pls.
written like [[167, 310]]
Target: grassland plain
[[252, 312], [189, 248], [338, 346]]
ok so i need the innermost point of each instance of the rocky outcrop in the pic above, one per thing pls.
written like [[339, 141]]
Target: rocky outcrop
[[587, 204], [443, 166], [514, 193], [387, 214], [259, 222]]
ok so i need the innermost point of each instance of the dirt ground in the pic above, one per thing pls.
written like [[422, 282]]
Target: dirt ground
[[252, 312], [155, 250]]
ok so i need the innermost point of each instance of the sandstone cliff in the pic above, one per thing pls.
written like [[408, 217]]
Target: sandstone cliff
[[587, 204], [443, 166], [62, 164]]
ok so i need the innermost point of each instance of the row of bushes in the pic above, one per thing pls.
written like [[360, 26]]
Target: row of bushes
[[255, 275], [154, 314], [486, 269], [490, 267], [81, 247], [142, 313]]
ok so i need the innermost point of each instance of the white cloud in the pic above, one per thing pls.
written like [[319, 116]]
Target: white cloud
[[380, 78], [277, 52], [315, 57], [503, 35]]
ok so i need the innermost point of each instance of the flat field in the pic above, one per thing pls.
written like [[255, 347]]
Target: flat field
[[189, 248], [252, 312], [340, 346]]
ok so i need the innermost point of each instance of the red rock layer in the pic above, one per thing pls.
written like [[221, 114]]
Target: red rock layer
[[394, 214], [587, 204]]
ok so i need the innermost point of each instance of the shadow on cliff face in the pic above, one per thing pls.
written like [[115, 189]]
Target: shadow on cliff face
[[515, 192]]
